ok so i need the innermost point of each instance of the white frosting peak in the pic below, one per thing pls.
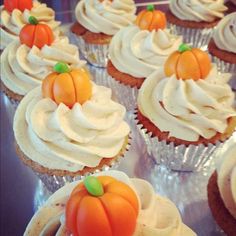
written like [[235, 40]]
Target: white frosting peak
[[140, 52], [225, 33], [105, 16], [198, 10]]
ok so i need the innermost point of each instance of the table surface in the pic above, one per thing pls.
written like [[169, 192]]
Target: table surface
[[22, 192]]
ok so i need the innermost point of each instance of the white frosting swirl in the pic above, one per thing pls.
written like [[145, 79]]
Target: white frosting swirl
[[198, 10], [140, 52], [225, 33], [60, 138], [105, 16], [187, 109], [24, 68], [157, 215], [226, 177], [11, 23]]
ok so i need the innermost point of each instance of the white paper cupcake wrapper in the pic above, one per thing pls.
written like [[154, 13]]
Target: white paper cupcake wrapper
[[95, 54], [54, 182], [195, 37], [180, 157]]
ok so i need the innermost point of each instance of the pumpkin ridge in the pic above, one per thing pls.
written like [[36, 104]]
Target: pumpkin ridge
[[52, 93], [176, 67], [106, 212], [33, 39], [200, 68], [151, 22], [72, 78]]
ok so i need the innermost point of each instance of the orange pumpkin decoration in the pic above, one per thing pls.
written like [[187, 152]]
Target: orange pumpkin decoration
[[151, 19], [68, 87], [21, 5], [36, 34], [188, 63], [102, 206]]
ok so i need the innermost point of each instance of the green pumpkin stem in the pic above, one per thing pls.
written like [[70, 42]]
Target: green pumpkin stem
[[33, 20], [150, 7], [184, 47], [61, 67], [93, 186]]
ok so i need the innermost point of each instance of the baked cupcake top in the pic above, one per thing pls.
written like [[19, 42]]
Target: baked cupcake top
[[140, 49], [105, 16], [156, 214], [225, 33], [29, 59], [70, 132], [198, 10], [13, 21], [185, 104], [226, 177]]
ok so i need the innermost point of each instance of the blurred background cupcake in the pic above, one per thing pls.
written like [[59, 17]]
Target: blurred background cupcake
[[221, 190], [223, 44], [69, 128], [140, 210], [195, 19], [26, 61], [14, 17], [186, 113], [97, 22], [136, 52]]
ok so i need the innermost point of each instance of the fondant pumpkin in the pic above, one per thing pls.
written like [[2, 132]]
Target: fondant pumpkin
[[151, 19], [21, 5], [68, 87], [36, 34], [188, 63], [102, 206]]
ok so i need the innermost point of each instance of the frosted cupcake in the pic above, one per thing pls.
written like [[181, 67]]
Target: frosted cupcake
[[14, 15], [123, 206], [136, 52], [97, 22], [195, 19], [186, 113], [69, 128], [222, 190], [223, 44], [26, 62]]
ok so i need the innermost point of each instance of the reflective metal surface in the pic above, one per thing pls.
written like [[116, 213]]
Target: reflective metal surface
[[22, 192]]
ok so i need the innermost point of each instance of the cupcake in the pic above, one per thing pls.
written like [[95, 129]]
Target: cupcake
[[231, 4], [222, 190], [223, 44], [15, 14], [136, 52], [69, 128], [97, 22], [124, 206], [26, 61], [187, 112], [195, 19]]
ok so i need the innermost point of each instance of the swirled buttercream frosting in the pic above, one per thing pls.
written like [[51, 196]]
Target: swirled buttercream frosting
[[106, 16], [24, 68], [188, 109], [225, 33], [57, 137], [157, 215], [12, 23], [198, 10], [140, 52]]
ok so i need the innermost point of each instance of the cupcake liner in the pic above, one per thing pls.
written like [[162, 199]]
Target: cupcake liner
[[95, 54], [195, 37], [54, 182], [178, 157], [223, 66]]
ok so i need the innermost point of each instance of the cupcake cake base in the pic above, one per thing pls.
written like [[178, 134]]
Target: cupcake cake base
[[54, 179], [220, 213]]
